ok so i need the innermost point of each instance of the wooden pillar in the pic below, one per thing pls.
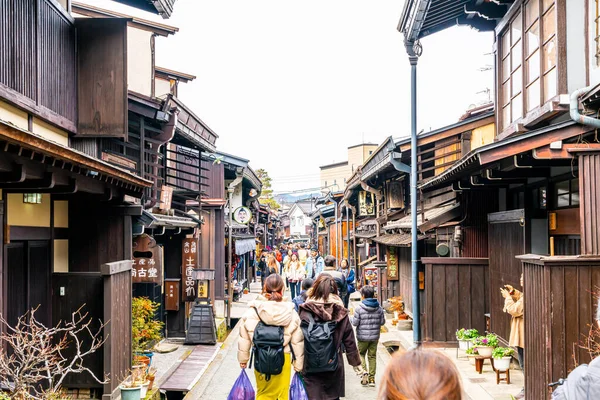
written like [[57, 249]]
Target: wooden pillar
[[589, 201]]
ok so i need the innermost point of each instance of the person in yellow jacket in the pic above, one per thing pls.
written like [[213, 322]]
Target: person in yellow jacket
[[276, 312], [513, 305]]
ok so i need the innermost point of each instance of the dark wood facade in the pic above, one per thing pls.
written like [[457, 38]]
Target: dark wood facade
[[456, 296], [559, 309]]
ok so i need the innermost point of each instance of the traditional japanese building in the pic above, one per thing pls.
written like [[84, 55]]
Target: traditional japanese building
[[70, 198], [540, 172]]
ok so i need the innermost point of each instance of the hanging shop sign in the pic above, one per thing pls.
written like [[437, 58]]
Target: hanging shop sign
[[366, 204], [392, 263], [189, 257], [166, 196], [395, 195], [242, 215], [147, 260]]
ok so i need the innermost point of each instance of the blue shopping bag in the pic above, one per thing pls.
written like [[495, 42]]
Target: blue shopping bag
[[297, 390], [242, 388]]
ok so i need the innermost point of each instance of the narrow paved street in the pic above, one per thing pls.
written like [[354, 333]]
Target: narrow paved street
[[220, 376], [218, 380]]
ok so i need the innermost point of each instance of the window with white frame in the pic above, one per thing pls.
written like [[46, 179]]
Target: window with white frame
[[528, 73]]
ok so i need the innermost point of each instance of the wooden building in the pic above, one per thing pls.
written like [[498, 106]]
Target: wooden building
[[69, 201], [541, 170], [383, 229]]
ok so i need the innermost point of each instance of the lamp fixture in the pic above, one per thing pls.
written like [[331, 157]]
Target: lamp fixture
[[32, 198]]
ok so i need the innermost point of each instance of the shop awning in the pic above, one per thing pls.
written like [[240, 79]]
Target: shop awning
[[397, 239], [432, 218], [245, 244], [170, 221]]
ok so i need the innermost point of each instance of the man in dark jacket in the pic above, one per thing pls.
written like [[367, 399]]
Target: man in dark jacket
[[301, 298], [368, 319]]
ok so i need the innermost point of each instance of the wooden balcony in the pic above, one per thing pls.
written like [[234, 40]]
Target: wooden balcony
[[38, 60]]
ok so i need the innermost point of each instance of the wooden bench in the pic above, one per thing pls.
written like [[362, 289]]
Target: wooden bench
[[479, 363]]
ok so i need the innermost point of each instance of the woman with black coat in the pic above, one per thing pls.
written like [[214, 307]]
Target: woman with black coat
[[324, 305]]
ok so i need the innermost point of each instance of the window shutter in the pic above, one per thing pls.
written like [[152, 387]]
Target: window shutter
[[102, 77]]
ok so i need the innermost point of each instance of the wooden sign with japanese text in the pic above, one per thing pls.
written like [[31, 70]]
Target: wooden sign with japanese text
[[172, 294], [166, 196], [392, 263], [189, 257], [147, 260]]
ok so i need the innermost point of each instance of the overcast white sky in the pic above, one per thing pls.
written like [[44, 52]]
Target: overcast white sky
[[291, 84]]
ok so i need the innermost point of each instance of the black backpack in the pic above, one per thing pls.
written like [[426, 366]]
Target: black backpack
[[267, 349], [320, 352]]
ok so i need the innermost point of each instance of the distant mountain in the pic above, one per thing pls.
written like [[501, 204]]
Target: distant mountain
[[292, 198]]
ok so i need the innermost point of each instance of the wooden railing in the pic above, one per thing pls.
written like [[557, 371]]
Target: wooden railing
[[38, 60], [456, 296], [117, 312]]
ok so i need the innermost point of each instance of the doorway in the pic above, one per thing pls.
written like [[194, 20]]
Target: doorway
[[28, 280]]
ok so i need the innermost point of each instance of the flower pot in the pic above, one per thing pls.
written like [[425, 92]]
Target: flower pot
[[144, 390], [404, 325], [485, 351], [143, 360], [502, 364], [464, 344], [471, 359], [134, 393]]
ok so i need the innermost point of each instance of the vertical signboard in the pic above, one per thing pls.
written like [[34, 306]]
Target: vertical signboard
[[166, 196], [189, 259], [392, 264]]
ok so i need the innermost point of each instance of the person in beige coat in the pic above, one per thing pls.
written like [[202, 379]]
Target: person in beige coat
[[513, 305], [276, 312]]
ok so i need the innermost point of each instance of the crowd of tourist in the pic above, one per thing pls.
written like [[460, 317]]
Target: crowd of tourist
[[310, 330]]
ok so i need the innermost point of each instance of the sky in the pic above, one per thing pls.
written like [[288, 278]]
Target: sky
[[290, 85]]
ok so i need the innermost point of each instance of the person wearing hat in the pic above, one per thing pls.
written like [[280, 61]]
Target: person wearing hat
[[314, 263]]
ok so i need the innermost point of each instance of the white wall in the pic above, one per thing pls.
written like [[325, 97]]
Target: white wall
[[298, 222], [576, 46], [139, 61], [593, 67], [162, 87]]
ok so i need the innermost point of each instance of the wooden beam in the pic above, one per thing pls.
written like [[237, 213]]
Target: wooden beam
[[492, 174], [16, 175], [546, 153], [46, 183], [528, 144]]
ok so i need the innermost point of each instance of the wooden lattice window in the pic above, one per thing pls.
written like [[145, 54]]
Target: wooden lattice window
[[528, 60]]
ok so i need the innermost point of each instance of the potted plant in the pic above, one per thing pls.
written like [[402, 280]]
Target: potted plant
[[485, 344], [145, 329], [471, 354], [150, 376], [465, 336], [401, 319], [131, 390], [502, 357]]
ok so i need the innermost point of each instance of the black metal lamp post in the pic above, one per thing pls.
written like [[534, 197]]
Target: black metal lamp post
[[201, 325]]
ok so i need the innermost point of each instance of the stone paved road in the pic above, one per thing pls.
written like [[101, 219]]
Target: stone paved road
[[217, 382], [219, 378]]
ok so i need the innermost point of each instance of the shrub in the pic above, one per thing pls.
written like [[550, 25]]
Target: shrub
[[500, 352], [472, 351], [466, 334], [490, 340], [145, 330]]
